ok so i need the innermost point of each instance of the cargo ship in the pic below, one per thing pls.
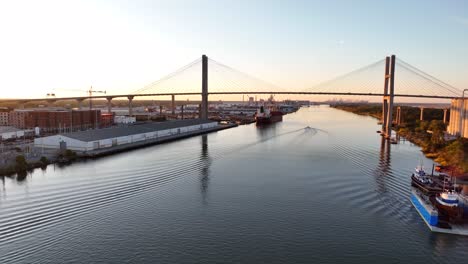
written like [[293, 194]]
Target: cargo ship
[[267, 116]]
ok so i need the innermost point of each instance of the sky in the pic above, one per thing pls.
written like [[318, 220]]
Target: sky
[[121, 46]]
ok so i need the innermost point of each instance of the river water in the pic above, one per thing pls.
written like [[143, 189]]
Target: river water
[[281, 194]]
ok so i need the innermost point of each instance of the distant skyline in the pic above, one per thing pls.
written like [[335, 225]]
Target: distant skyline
[[121, 46]]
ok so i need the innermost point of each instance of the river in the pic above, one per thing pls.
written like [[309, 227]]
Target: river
[[334, 193]]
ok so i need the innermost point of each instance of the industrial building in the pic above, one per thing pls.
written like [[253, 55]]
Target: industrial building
[[52, 120], [124, 119], [108, 138], [458, 125], [64, 120], [8, 132]]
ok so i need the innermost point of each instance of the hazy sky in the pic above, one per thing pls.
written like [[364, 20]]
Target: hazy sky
[[120, 46]]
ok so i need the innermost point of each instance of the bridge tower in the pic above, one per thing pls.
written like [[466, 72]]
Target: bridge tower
[[204, 103], [389, 93]]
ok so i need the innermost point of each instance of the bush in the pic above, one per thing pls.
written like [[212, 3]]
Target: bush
[[21, 164], [44, 160], [69, 154]]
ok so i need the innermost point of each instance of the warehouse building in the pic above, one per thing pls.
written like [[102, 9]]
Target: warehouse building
[[107, 138]]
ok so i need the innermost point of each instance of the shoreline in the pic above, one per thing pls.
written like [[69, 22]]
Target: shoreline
[[435, 156], [80, 156]]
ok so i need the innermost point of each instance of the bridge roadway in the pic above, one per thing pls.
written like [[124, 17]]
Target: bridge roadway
[[218, 93]]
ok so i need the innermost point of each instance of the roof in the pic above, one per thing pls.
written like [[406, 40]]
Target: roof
[[132, 129], [8, 129]]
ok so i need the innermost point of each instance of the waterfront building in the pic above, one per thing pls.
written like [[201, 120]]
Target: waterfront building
[[106, 138]]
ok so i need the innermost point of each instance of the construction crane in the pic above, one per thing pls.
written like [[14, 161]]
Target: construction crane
[[89, 92]]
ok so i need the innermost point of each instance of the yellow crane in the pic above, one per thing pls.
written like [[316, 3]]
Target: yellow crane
[[90, 92]]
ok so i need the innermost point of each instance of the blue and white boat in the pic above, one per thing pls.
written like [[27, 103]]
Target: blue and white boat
[[447, 202]]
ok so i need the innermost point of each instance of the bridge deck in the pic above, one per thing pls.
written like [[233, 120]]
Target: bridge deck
[[224, 93]]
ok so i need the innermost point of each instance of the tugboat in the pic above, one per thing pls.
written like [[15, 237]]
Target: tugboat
[[267, 116], [423, 182], [447, 203]]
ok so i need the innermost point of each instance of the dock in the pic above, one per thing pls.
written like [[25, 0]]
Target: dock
[[91, 143], [150, 142]]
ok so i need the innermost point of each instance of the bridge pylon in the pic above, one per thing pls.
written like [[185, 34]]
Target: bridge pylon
[[204, 102], [389, 94]]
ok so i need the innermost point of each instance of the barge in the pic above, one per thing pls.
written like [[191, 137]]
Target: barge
[[433, 218], [442, 205]]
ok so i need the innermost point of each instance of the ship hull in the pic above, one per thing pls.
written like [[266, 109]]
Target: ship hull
[[425, 188], [452, 213], [273, 118]]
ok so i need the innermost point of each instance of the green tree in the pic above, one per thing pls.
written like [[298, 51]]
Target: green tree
[[44, 160], [20, 163]]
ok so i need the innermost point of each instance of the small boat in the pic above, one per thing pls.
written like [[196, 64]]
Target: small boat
[[307, 128], [424, 182], [378, 131]]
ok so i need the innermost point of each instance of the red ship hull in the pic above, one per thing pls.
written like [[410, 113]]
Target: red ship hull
[[276, 116]]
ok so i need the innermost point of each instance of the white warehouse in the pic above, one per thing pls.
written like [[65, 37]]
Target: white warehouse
[[91, 140]]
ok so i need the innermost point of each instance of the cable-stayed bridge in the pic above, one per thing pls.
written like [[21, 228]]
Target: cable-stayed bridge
[[224, 80], [366, 81], [204, 77]]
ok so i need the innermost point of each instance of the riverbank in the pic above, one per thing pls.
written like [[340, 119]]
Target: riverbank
[[41, 157], [427, 134], [21, 164], [150, 142]]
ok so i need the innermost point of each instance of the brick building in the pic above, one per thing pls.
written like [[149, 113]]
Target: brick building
[[57, 120], [17, 118], [107, 119], [4, 116]]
